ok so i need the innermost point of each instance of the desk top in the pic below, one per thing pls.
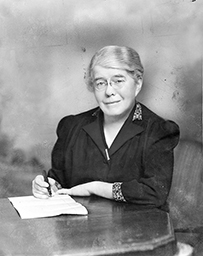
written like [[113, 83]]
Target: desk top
[[110, 228]]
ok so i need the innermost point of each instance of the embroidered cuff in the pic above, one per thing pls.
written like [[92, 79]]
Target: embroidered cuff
[[117, 192]]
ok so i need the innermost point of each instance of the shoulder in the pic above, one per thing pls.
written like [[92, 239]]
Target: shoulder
[[71, 121], [159, 129], [158, 122]]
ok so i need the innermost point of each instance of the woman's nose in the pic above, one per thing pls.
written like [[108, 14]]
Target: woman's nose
[[109, 89]]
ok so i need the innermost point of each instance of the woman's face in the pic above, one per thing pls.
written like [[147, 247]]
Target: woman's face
[[117, 98]]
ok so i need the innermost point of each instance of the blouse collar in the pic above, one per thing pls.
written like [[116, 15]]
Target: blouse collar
[[130, 129], [137, 114]]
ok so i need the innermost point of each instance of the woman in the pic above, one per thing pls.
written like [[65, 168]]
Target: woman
[[120, 150]]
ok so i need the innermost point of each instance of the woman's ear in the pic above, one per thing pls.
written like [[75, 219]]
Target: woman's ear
[[138, 85]]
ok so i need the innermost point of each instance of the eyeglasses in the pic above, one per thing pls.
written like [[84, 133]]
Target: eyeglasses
[[100, 84]]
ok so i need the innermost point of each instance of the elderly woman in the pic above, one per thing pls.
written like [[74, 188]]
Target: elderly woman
[[120, 150]]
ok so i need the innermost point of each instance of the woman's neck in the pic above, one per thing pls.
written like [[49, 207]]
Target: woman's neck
[[113, 121], [111, 131], [112, 126], [116, 120]]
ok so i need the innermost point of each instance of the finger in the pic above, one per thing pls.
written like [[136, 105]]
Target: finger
[[51, 181], [38, 188], [39, 180], [39, 192], [40, 196], [43, 194]]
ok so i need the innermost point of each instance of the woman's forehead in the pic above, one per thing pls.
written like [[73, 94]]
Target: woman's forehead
[[99, 71]]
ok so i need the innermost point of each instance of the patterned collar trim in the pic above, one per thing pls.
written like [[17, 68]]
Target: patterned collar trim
[[136, 116], [137, 113]]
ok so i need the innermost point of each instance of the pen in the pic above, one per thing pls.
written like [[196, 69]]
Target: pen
[[44, 173], [107, 154]]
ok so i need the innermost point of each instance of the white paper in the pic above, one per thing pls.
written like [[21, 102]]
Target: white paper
[[31, 207]]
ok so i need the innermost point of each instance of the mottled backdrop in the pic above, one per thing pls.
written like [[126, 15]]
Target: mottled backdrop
[[45, 47]]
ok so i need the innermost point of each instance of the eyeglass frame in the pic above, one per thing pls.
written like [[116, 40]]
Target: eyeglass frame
[[116, 82], [133, 74]]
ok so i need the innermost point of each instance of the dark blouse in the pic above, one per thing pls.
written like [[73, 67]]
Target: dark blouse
[[139, 161]]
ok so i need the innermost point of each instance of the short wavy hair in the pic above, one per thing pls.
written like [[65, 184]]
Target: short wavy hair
[[118, 57]]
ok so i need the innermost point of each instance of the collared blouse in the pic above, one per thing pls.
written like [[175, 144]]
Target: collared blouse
[[139, 162]]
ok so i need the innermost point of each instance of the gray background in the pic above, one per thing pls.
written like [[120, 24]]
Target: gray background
[[45, 47]]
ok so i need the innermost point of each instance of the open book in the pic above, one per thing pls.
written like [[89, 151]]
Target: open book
[[31, 207]]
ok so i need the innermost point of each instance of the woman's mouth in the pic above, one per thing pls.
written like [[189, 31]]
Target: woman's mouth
[[112, 102]]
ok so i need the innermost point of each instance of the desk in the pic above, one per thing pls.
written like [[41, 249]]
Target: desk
[[111, 228]]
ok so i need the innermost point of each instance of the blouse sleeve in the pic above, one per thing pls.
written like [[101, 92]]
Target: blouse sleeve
[[153, 187], [57, 170]]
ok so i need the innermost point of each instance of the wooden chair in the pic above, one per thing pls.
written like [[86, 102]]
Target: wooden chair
[[186, 195]]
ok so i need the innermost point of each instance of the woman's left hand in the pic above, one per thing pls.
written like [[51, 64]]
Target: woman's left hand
[[98, 188], [79, 190]]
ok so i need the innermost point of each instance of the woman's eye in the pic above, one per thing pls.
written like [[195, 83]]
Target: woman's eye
[[101, 83], [120, 80]]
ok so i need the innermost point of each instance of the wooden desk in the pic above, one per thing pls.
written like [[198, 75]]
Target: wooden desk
[[111, 228]]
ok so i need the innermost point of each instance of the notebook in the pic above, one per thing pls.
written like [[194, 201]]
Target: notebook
[[30, 207]]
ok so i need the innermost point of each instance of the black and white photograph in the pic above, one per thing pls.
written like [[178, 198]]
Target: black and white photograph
[[101, 140]]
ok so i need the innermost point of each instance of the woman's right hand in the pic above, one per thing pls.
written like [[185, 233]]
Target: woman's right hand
[[39, 187]]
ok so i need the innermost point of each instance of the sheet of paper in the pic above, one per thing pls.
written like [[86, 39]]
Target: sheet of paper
[[31, 207]]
